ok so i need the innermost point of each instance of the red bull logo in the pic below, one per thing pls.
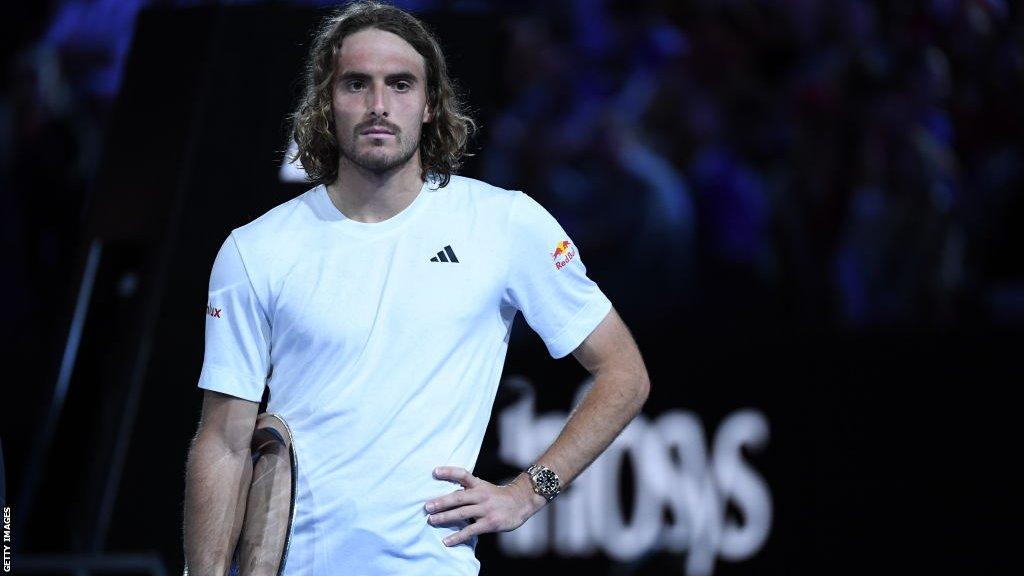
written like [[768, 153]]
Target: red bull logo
[[564, 252]]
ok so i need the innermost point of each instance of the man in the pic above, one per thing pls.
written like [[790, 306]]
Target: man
[[377, 308]]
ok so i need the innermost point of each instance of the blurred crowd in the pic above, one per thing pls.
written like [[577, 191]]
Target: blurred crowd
[[842, 163], [846, 163]]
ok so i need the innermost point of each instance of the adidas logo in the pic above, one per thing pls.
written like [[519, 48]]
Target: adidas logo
[[446, 255]]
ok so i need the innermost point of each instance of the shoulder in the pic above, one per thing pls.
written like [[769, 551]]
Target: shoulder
[[471, 191], [515, 208], [502, 207], [284, 214], [270, 231]]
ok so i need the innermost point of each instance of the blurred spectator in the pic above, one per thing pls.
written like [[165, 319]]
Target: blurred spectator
[[850, 163]]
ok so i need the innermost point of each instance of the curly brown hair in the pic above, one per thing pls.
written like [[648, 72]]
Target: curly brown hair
[[443, 140]]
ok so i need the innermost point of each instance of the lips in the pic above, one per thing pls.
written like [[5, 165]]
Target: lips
[[377, 131]]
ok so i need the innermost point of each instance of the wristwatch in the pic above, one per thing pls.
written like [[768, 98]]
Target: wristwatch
[[544, 480]]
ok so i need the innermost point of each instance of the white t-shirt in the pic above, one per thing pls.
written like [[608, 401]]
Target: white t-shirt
[[383, 344]]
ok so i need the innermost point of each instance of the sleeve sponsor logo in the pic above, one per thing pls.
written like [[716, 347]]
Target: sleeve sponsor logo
[[215, 312], [564, 252]]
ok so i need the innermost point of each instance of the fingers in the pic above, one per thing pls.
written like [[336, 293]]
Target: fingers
[[460, 505], [464, 513], [453, 500], [456, 474], [475, 529]]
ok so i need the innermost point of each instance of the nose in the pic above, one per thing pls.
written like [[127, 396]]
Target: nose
[[378, 102]]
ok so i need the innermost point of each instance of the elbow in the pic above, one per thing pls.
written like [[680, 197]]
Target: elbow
[[645, 392], [643, 388], [210, 447], [642, 379]]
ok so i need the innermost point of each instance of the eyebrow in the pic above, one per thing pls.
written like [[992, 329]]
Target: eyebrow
[[407, 76]]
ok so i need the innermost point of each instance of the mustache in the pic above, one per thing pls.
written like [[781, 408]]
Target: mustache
[[360, 128]]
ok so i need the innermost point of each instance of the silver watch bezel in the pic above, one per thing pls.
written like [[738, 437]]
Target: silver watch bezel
[[535, 471]]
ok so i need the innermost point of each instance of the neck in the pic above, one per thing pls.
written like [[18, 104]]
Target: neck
[[366, 196]]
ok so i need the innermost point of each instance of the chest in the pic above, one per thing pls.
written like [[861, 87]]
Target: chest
[[420, 283]]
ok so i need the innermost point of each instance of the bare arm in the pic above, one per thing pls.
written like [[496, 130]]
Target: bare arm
[[217, 477], [621, 387]]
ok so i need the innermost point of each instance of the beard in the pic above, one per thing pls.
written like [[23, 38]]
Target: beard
[[374, 157]]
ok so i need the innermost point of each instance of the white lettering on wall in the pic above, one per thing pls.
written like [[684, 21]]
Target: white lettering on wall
[[672, 470]]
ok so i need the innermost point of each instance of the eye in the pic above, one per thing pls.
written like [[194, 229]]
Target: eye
[[402, 86], [354, 85]]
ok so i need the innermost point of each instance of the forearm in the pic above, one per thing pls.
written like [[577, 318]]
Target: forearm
[[613, 401], [216, 487]]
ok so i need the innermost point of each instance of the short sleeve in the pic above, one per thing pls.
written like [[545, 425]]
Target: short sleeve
[[547, 280], [237, 349]]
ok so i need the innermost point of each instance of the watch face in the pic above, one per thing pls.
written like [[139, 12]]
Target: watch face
[[547, 481]]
